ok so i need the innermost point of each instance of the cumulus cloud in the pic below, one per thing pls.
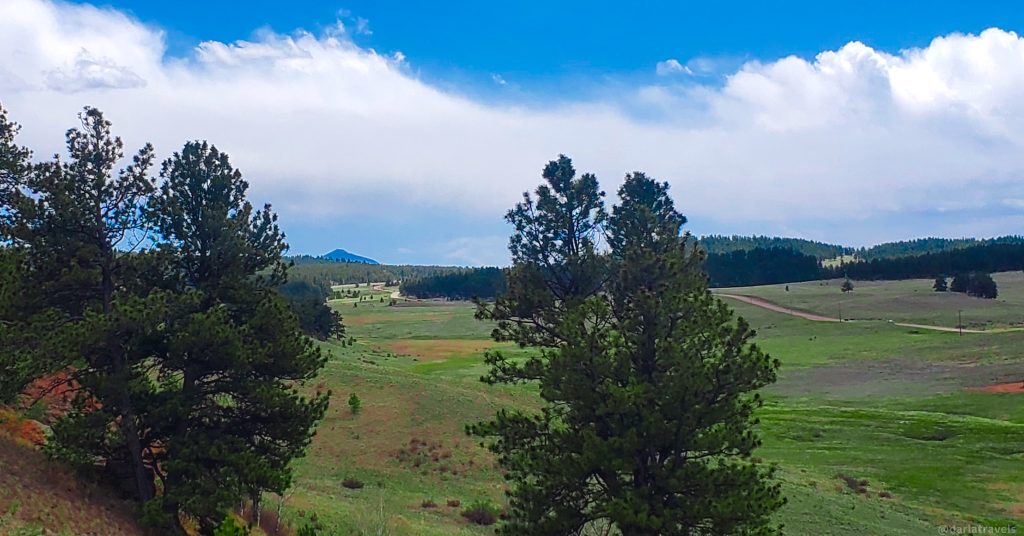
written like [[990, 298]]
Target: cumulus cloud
[[671, 66], [323, 126], [87, 72]]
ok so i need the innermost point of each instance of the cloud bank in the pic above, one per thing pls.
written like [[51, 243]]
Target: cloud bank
[[325, 128]]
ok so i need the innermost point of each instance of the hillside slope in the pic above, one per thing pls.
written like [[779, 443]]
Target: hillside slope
[[38, 496], [345, 256]]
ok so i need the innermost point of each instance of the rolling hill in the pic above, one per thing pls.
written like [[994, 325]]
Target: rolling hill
[[341, 255]]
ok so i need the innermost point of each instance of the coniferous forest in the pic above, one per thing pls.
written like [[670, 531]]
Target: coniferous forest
[[151, 290]]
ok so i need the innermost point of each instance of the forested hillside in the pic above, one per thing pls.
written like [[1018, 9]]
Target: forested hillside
[[341, 273], [921, 246], [761, 267], [719, 244], [993, 257], [484, 283]]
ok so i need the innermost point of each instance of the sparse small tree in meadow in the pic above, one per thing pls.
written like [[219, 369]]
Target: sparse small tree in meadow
[[354, 403], [940, 284], [959, 283], [847, 286], [648, 381]]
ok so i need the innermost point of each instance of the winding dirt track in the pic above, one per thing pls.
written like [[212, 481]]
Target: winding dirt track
[[765, 304]]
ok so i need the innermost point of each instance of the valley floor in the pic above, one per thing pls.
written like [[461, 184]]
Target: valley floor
[[876, 428]]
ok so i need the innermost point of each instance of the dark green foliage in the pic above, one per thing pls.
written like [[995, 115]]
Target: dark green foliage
[[306, 530], [481, 513], [742, 268], [14, 162], [719, 244], [308, 301], [229, 415], [847, 286], [189, 361], [354, 404], [69, 222], [648, 380], [341, 273], [993, 257], [230, 527], [483, 283], [921, 246], [940, 284], [979, 285]]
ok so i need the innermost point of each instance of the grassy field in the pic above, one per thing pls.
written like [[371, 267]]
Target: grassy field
[[901, 301], [877, 429]]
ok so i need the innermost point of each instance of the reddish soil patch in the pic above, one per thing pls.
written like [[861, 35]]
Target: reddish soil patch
[[438, 349], [1012, 387]]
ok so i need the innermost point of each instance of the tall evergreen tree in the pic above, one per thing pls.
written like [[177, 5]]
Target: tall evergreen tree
[[229, 413], [16, 367], [648, 381], [72, 221]]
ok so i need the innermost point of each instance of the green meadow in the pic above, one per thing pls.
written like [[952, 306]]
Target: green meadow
[[911, 300], [875, 428]]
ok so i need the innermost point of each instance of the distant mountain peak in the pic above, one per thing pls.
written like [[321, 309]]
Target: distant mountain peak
[[344, 256]]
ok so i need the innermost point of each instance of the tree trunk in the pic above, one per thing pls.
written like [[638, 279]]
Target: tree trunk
[[144, 488], [256, 509]]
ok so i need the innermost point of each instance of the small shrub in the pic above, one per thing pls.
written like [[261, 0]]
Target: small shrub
[[857, 485], [427, 503], [230, 527], [481, 513], [306, 530], [354, 404], [885, 494], [352, 483], [454, 503]]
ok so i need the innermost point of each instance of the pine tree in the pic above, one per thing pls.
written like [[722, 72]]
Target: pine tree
[[229, 412], [648, 382], [18, 367], [72, 221], [940, 284], [847, 286], [960, 283]]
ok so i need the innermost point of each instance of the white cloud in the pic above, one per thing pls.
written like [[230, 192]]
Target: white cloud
[[87, 72], [476, 251], [671, 66], [498, 79], [322, 126]]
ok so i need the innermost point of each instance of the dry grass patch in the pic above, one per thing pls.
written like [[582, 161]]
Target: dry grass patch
[[438, 349], [38, 493]]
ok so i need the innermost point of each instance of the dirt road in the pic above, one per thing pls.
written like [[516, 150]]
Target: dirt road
[[765, 304]]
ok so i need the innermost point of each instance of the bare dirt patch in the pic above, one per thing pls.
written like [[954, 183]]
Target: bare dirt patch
[[1012, 387], [437, 349]]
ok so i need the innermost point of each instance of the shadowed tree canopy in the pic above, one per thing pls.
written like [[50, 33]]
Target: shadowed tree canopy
[[648, 381], [229, 417], [161, 303]]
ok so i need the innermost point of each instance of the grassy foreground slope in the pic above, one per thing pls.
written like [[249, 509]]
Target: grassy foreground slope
[[40, 497], [877, 429], [911, 301]]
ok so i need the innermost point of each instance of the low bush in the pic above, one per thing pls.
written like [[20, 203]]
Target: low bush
[[481, 513]]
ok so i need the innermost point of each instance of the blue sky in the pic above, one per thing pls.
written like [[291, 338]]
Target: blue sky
[[403, 130]]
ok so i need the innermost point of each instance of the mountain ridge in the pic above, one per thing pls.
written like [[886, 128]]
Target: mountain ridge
[[345, 256]]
